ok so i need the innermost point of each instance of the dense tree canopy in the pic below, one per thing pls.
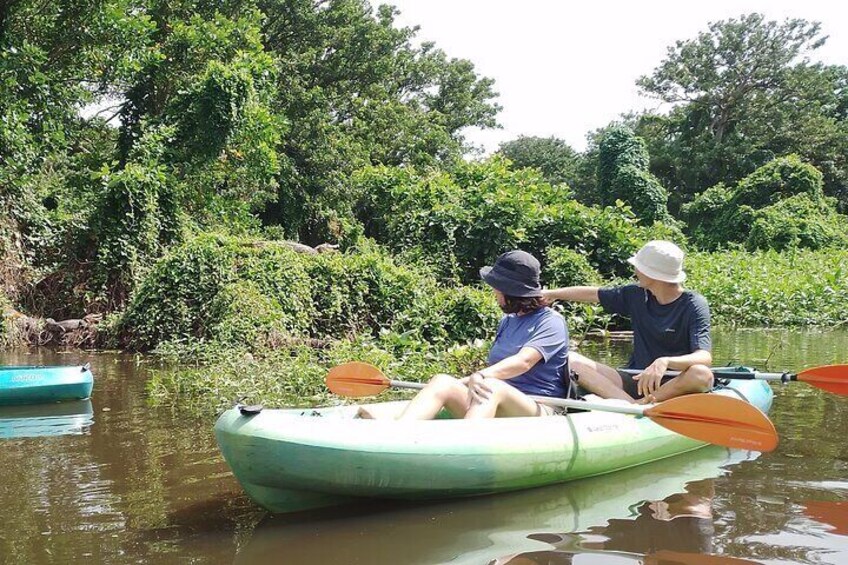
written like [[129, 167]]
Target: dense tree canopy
[[743, 93], [127, 127], [231, 114]]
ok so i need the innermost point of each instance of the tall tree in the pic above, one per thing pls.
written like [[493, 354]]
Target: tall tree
[[744, 92], [721, 69], [553, 157], [357, 91]]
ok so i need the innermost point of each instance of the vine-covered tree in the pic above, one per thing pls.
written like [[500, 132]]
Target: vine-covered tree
[[352, 88], [623, 175], [780, 206]]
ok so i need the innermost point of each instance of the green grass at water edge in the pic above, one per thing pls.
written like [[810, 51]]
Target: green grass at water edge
[[216, 377]]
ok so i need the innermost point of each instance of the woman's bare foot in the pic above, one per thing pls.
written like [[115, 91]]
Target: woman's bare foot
[[364, 414]]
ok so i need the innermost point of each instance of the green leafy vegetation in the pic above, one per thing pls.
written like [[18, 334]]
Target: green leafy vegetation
[[459, 220], [745, 92], [554, 158], [240, 292], [779, 206], [294, 376], [767, 288], [623, 175]]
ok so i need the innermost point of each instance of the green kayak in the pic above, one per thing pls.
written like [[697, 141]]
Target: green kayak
[[295, 459]]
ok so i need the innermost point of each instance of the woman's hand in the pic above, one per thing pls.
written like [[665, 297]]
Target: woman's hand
[[478, 392], [651, 378]]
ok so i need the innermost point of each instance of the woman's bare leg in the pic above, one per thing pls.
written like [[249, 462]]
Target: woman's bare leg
[[598, 378], [505, 401], [443, 391]]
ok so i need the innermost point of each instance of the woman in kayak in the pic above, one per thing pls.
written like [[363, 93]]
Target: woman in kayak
[[528, 357]]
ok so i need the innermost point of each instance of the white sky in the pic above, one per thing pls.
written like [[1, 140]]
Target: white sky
[[565, 68]]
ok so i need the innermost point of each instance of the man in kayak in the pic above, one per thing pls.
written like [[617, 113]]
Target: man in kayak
[[671, 330], [529, 354]]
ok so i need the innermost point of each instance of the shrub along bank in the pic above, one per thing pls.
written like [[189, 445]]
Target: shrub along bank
[[257, 319], [237, 292], [457, 221]]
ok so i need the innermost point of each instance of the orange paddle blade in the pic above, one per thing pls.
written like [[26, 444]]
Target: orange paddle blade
[[356, 379], [831, 513], [832, 378], [717, 419]]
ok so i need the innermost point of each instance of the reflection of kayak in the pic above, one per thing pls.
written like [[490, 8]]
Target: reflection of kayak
[[481, 529], [55, 419], [34, 385], [289, 460]]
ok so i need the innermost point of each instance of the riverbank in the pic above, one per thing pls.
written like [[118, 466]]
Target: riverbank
[[234, 318]]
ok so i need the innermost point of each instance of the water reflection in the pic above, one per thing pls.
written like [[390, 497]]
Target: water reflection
[[484, 529], [117, 492], [663, 557], [676, 529], [680, 522], [36, 420], [831, 514]]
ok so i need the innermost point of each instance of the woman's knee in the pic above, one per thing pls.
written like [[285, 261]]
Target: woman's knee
[[445, 387], [442, 380], [498, 387]]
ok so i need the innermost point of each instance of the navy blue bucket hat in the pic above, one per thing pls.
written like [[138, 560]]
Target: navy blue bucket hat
[[515, 273]]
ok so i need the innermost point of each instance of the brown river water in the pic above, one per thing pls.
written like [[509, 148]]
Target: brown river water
[[116, 481]]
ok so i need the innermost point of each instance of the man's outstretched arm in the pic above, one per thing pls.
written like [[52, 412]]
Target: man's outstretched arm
[[572, 294]]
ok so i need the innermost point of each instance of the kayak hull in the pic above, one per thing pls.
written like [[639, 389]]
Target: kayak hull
[[38, 385], [290, 460]]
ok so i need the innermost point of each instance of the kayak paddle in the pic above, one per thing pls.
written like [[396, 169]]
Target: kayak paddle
[[832, 378], [711, 418]]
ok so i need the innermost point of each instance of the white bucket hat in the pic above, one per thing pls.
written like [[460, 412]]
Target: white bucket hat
[[660, 260]]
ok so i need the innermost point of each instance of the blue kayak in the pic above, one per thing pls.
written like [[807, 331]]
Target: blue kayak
[[35, 385]]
